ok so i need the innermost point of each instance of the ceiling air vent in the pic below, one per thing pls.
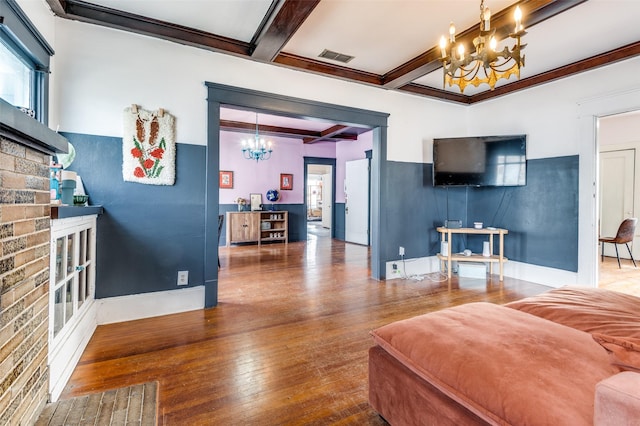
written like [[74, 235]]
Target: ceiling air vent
[[335, 56]]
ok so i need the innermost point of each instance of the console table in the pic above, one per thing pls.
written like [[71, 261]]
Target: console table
[[499, 258]]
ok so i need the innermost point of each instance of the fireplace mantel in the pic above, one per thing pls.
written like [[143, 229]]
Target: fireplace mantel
[[18, 126]]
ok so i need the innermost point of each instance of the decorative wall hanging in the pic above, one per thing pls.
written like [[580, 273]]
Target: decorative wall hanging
[[226, 179], [286, 181], [148, 147]]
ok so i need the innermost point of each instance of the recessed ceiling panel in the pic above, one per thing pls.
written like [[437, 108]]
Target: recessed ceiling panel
[[235, 19], [382, 34], [570, 42]]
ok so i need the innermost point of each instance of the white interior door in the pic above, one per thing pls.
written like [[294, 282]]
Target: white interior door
[[356, 188], [616, 193], [327, 200]]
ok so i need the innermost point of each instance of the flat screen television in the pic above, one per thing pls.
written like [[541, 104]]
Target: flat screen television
[[480, 161]]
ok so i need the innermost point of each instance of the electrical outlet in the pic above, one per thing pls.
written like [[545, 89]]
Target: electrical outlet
[[401, 251], [183, 277], [395, 266]]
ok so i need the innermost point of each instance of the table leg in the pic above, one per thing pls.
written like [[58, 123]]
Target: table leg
[[501, 256], [491, 253], [449, 254]]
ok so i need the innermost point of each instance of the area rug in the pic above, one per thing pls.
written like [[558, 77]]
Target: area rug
[[135, 405]]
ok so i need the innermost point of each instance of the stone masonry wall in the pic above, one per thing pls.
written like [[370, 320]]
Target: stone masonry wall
[[24, 282]]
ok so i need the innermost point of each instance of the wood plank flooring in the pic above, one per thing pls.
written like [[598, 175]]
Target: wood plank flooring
[[625, 279], [287, 345]]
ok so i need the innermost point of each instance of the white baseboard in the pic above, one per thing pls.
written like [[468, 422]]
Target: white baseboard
[[550, 277], [147, 305]]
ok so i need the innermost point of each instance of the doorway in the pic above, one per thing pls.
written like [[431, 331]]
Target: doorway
[[619, 190], [219, 95], [320, 190], [319, 200]]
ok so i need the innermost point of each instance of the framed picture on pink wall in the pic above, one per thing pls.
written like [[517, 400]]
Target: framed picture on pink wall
[[226, 179], [286, 181]]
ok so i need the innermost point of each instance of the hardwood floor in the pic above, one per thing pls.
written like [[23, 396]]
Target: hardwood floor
[[286, 345], [625, 279]]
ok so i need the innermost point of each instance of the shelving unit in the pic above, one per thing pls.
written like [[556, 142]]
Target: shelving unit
[[257, 227], [499, 258], [274, 226]]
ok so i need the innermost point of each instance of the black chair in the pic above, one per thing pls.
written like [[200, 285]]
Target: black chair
[[625, 234], [220, 222]]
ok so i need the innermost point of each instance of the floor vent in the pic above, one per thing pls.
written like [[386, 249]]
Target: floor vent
[[335, 56]]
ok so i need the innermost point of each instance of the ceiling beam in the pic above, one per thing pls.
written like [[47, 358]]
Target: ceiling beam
[[283, 26], [112, 18], [534, 11], [319, 67], [606, 58], [419, 89], [332, 134]]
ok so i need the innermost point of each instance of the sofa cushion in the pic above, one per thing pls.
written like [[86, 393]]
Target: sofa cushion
[[612, 318], [506, 366], [618, 401]]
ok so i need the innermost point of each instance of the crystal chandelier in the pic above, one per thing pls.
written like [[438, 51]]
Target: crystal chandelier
[[485, 65], [256, 148]]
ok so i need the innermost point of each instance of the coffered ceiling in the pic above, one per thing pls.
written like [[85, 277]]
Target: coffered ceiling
[[393, 42]]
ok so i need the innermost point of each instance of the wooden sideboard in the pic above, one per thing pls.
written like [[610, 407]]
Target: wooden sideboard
[[257, 227]]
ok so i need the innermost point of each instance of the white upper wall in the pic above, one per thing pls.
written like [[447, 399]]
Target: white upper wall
[[105, 70], [549, 114]]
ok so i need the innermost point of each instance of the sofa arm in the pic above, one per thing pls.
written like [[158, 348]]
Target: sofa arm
[[617, 400]]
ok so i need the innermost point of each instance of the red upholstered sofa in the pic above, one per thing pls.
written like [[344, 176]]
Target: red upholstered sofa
[[570, 356]]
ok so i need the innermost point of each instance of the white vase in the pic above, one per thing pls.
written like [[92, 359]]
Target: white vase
[[486, 249]]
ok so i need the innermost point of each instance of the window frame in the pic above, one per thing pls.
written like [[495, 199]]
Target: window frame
[[23, 38]]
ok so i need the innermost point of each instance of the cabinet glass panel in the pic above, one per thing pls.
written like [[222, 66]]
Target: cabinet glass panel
[[82, 295], [58, 311], [89, 235], [83, 247], [68, 312], [59, 254], [87, 283], [70, 266]]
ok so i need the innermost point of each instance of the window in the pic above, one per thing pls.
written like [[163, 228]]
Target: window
[[24, 61], [16, 79]]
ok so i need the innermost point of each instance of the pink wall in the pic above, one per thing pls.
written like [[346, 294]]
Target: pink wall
[[251, 177], [346, 151]]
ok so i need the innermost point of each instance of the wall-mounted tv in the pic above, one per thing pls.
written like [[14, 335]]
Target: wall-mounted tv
[[480, 161]]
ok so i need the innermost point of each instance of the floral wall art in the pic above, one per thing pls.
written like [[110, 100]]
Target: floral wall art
[[148, 146]]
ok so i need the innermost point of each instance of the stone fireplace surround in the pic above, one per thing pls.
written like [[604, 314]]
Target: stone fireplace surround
[[25, 149]]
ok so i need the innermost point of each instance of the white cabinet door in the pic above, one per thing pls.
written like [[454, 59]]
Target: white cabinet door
[[356, 188]]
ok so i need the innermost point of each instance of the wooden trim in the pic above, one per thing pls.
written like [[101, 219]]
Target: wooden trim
[[607, 58], [288, 132], [311, 65], [112, 18], [441, 94], [286, 22]]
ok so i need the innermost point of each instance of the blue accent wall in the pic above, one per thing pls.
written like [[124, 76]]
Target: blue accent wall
[[147, 232], [542, 217]]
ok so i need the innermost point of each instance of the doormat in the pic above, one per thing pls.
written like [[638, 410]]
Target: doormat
[[135, 404]]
